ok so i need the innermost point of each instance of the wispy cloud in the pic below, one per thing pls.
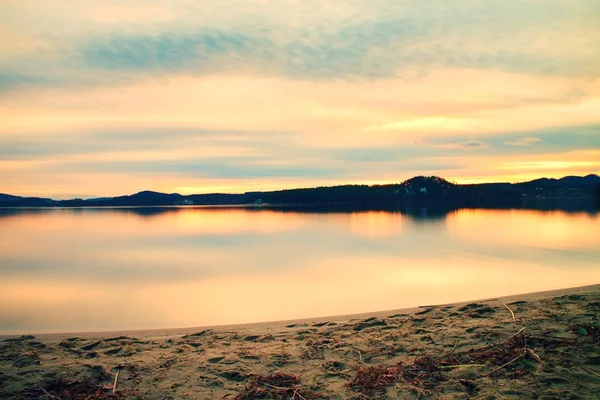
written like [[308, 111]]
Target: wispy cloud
[[524, 141], [466, 145], [366, 40]]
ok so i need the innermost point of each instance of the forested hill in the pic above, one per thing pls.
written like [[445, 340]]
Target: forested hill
[[418, 190]]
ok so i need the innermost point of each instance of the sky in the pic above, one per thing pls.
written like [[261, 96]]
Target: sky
[[103, 98]]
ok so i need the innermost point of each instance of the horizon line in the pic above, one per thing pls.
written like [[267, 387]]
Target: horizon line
[[307, 187]]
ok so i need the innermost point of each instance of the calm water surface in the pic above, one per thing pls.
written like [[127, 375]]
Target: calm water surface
[[71, 270]]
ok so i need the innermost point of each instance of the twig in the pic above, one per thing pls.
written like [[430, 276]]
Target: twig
[[285, 389], [115, 384], [48, 394], [445, 355], [505, 340], [296, 393], [511, 311], [508, 363], [274, 387], [360, 356], [119, 368], [538, 359], [462, 366], [520, 330]]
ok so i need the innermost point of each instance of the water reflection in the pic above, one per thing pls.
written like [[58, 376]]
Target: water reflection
[[131, 268]]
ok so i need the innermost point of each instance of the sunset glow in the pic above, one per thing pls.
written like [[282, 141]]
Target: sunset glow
[[110, 98]]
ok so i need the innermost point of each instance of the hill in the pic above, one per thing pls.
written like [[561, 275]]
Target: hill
[[579, 181], [420, 190]]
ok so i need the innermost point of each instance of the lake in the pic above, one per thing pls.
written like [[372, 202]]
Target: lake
[[74, 270]]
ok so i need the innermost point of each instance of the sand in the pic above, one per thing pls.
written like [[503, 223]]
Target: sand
[[549, 350]]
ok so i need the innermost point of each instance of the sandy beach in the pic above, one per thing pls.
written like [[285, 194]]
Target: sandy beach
[[533, 346]]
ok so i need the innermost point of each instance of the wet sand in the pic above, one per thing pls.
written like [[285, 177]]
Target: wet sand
[[541, 346]]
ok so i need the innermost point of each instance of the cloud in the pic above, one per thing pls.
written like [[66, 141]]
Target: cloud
[[524, 141], [177, 142], [151, 94], [12, 80], [539, 141], [336, 40], [466, 145], [253, 155], [214, 48], [384, 47]]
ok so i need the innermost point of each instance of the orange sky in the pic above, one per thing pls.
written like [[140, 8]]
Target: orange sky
[[254, 95]]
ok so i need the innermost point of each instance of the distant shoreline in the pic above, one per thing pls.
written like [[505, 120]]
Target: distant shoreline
[[417, 191]]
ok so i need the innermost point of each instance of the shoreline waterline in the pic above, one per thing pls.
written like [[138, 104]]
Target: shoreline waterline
[[540, 345], [261, 325]]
